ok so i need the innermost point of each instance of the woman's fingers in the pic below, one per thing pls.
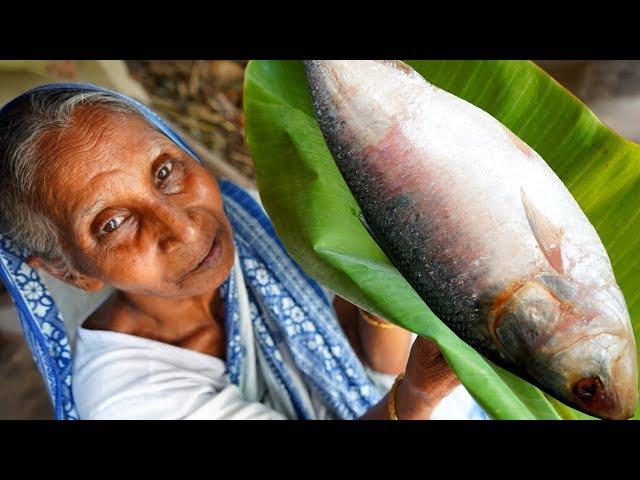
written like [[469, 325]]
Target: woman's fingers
[[428, 370]]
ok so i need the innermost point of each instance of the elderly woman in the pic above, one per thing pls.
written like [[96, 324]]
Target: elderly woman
[[210, 318]]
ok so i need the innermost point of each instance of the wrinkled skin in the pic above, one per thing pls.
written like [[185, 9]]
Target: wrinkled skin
[[483, 230], [141, 222]]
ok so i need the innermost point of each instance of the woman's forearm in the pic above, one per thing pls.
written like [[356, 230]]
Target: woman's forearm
[[385, 346], [385, 350]]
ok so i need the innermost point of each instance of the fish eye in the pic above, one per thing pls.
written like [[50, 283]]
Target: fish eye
[[591, 392], [587, 388]]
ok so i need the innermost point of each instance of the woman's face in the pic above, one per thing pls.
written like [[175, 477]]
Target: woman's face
[[135, 210]]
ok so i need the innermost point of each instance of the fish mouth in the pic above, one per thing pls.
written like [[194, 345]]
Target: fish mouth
[[624, 381]]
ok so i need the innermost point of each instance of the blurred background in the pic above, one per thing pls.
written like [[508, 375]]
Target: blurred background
[[203, 101]]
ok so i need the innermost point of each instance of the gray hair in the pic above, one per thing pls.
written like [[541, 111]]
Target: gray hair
[[22, 218]]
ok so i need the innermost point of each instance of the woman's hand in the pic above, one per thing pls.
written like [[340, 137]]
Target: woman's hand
[[428, 379]]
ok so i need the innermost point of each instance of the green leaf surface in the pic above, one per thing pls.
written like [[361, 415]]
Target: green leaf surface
[[316, 216]]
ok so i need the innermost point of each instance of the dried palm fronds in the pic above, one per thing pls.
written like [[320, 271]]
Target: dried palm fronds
[[203, 98]]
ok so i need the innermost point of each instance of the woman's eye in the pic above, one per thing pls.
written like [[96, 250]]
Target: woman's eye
[[111, 225], [164, 171], [169, 177]]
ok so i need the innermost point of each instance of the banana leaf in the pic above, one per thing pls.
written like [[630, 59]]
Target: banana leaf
[[316, 216]]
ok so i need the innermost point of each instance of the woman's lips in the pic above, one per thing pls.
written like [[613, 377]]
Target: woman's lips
[[212, 256]]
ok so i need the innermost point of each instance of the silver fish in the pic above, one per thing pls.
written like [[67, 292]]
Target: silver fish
[[483, 230]]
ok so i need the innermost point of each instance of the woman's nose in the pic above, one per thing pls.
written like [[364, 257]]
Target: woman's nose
[[176, 228]]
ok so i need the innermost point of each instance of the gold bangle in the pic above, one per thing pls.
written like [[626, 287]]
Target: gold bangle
[[374, 321], [393, 415]]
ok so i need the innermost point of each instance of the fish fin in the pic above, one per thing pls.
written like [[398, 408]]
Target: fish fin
[[546, 233]]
